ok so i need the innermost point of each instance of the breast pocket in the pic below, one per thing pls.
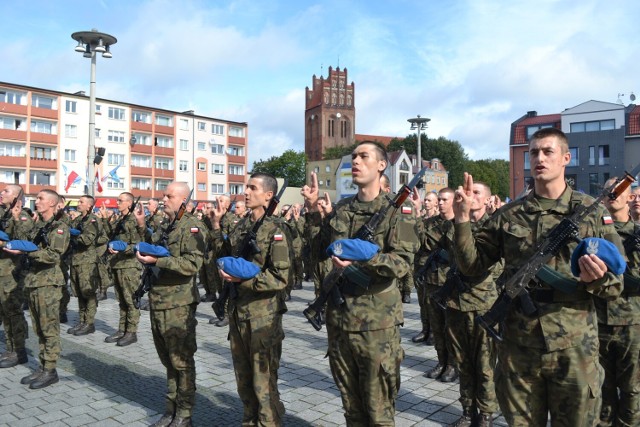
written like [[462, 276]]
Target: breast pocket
[[518, 238]]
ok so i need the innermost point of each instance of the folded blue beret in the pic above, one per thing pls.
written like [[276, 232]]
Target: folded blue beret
[[74, 232], [153, 250], [4, 236], [21, 245], [118, 245], [238, 267], [353, 249], [604, 249]]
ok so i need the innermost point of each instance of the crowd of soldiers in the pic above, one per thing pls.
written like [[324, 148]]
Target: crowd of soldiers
[[575, 358]]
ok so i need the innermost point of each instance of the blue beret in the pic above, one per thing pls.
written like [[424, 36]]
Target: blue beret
[[604, 249], [238, 267], [118, 245], [353, 249], [153, 250], [74, 232], [21, 245], [4, 236]]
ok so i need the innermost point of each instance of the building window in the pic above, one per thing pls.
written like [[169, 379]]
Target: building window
[[331, 130], [115, 185], [162, 184], [115, 159], [183, 166], [236, 189], [236, 170], [202, 186], [99, 109], [43, 153], [70, 106], [43, 102], [70, 131], [141, 117], [593, 184], [527, 164], [184, 145], [217, 169], [217, 188], [164, 141], [575, 161], [217, 149], [236, 131], [236, 151], [116, 136], [43, 127], [140, 161], [164, 120], [142, 139], [69, 155], [184, 124], [11, 150], [592, 155], [202, 126], [10, 97], [116, 113], [328, 183], [141, 183], [603, 155], [217, 129], [316, 169], [164, 163], [533, 129], [593, 126], [13, 123], [202, 146], [202, 166], [98, 133], [42, 178]]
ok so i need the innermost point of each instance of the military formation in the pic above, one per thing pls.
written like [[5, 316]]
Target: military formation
[[562, 347]]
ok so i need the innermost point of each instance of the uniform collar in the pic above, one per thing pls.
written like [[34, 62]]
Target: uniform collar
[[562, 206]]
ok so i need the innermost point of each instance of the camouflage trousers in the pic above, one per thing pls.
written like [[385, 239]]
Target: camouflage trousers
[[405, 284], [256, 348], [126, 283], [532, 383], [83, 285], [16, 329], [174, 336], [366, 368], [437, 321], [105, 276], [475, 357], [206, 275], [44, 307], [66, 295], [423, 301], [619, 356]]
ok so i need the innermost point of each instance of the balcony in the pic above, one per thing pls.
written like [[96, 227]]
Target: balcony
[[44, 137], [35, 188], [236, 140], [235, 159], [166, 130], [164, 173], [39, 162], [236, 178], [10, 161], [19, 135], [13, 108], [44, 112], [163, 151], [137, 170], [144, 127], [141, 193], [146, 149]]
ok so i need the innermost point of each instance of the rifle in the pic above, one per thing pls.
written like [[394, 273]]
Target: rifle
[[247, 249], [429, 264], [117, 229], [150, 271], [4, 221], [329, 287], [558, 237]]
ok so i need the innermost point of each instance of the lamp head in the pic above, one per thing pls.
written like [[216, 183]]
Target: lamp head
[[107, 54], [100, 47], [80, 47], [87, 53]]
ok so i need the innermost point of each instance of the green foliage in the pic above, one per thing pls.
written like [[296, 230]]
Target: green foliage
[[494, 172], [338, 152], [291, 165]]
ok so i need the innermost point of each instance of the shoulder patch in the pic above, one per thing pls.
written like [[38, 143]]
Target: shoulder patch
[[606, 219], [195, 229], [60, 231], [277, 237], [23, 218], [406, 210], [93, 220]]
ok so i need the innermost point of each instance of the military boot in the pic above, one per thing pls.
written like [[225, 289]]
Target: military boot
[[449, 374], [484, 420], [102, 295], [127, 339], [429, 340], [223, 322], [114, 337], [72, 330], [436, 372], [31, 377], [16, 358], [406, 297], [48, 377], [421, 336], [180, 422], [86, 329], [467, 418], [164, 421]]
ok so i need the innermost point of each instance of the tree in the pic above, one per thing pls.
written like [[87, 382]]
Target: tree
[[493, 172], [290, 165], [338, 152]]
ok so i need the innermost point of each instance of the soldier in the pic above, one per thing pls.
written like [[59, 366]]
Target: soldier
[[619, 328], [64, 265], [255, 328], [634, 204], [548, 361], [156, 217], [297, 222], [43, 287], [17, 223], [364, 334], [226, 223], [173, 299], [126, 270], [207, 272], [85, 233], [104, 268], [240, 210], [430, 204]]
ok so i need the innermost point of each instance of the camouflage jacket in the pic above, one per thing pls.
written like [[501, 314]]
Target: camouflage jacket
[[84, 245], [379, 307], [127, 231], [624, 310], [19, 229], [174, 285], [434, 229], [45, 262], [513, 233], [155, 221], [262, 295]]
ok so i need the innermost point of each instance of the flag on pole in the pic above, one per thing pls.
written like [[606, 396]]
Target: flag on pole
[[72, 179], [98, 184], [113, 174]]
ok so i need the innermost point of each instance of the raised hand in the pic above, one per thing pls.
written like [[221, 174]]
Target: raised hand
[[416, 201], [324, 205], [462, 199], [310, 192]]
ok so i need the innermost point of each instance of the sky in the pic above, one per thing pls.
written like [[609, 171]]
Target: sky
[[472, 66]]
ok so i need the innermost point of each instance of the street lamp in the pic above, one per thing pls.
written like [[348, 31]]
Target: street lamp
[[90, 43], [419, 123]]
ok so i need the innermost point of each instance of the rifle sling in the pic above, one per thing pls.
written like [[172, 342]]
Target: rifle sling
[[556, 280]]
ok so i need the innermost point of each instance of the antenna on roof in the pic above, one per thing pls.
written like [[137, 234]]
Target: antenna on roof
[[620, 100]]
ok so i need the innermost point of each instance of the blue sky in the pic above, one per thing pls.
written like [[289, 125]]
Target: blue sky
[[472, 67]]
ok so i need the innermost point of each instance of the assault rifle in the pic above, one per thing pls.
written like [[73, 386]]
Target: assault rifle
[[558, 237], [117, 229], [247, 249], [330, 287], [150, 271], [4, 221]]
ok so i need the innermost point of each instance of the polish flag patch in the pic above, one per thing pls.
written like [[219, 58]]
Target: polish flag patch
[[277, 237], [406, 210], [607, 219], [60, 231], [195, 229], [23, 218]]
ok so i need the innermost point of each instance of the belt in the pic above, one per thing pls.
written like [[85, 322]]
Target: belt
[[548, 296]]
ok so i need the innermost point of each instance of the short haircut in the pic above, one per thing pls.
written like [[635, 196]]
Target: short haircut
[[269, 182], [51, 194], [153, 199], [547, 132], [485, 185], [446, 190], [91, 200], [128, 196], [384, 181], [380, 150]]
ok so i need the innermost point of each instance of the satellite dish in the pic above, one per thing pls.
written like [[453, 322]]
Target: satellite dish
[[632, 97]]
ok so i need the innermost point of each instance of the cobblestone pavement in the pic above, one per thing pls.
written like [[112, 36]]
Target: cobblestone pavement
[[105, 385]]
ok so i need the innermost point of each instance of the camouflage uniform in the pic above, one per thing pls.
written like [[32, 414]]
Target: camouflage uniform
[[173, 299], [126, 273], [43, 287], [548, 362], [105, 279], [11, 295], [619, 334], [420, 259], [255, 321], [65, 267], [207, 270], [470, 345], [84, 275], [364, 334], [155, 221]]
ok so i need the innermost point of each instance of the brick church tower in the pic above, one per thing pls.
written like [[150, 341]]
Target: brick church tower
[[330, 114]]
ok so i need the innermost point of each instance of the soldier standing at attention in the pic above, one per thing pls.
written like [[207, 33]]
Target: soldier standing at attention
[[548, 361], [85, 232], [364, 334], [255, 317], [156, 217], [43, 287], [65, 266], [226, 224], [18, 226], [619, 328], [634, 204], [126, 271], [173, 299], [206, 274]]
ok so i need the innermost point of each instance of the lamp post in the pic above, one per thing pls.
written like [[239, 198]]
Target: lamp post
[[90, 43], [419, 123]]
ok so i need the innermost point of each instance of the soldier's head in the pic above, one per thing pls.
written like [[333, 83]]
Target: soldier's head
[[634, 204], [153, 205], [445, 202], [61, 201], [175, 194], [85, 204], [240, 208], [621, 205], [431, 201], [261, 188], [385, 184], [47, 203], [481, 196], [549, 155], [10, 193], [285, 209], [124, 201], [224, 201], [368, 162]]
